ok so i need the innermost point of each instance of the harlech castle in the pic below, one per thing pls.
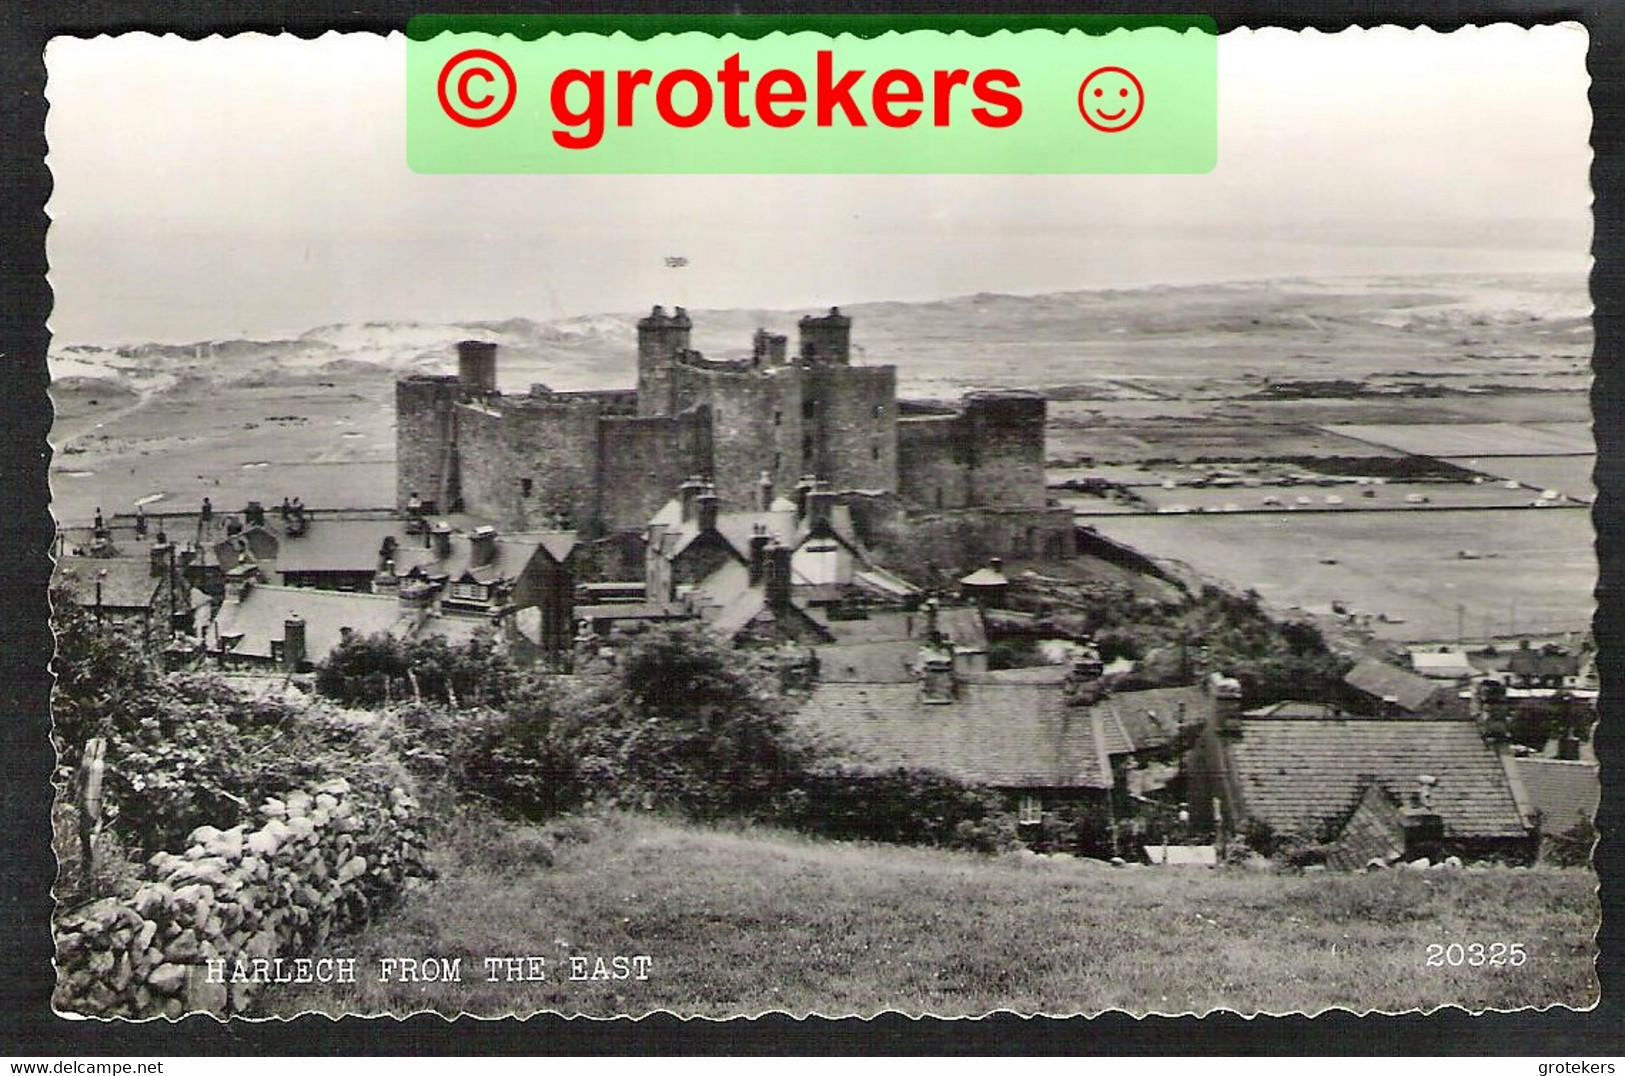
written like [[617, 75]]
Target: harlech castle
[[925, 481]]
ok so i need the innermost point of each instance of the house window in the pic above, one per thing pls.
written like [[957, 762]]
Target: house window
[[1030, 810], [473, 592], [524, 487]]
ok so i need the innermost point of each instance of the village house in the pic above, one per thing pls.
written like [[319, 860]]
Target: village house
[[1058, 747], [1378, 689], [483, 573], [1559, 799], [146, 595], [266, 628], [1424, 786]]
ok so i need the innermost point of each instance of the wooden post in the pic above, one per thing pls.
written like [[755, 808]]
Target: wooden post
[[92, 767]]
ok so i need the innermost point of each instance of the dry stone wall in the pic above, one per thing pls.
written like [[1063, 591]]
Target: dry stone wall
[[324, 860]]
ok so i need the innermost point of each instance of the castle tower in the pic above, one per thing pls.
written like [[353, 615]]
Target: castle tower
[[477, 367], [426, 441], [660, 336], [767, 349], [827, 339]]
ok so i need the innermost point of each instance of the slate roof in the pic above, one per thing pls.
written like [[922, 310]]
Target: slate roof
[[1373, 831], [1153, 718], [735, 528], [259, 617], [1302, 776], [1004, 735], [1563, 792], [261, 613], [512, 555], [886, 662], [1534, 662], [1445, 665], [1032, 674], [337, 545], [1296, 710], [1381, 680], [962, 624], [127, 584]]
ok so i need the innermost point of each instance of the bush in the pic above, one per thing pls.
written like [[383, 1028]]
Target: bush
[[900, 806], [374, 670]]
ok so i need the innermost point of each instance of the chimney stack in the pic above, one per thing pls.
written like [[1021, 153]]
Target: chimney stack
[[293, 643], [820, 510], [440, 535], [778, 577], [482, 546], [687, 494], [239, 580], [767, 490], [936, 676], [1422, 825], [807, 484], [160, 558], [706, 508], [1226, 694], [759, 541]]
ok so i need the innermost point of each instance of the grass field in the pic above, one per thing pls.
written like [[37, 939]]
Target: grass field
[[1534, 573], [741, 923]]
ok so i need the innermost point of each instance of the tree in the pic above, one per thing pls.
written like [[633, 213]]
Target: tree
[[695, 725]]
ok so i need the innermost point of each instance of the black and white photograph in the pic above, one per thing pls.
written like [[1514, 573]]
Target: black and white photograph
[[832, 595]]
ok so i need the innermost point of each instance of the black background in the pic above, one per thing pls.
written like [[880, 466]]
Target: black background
[[29, 1029]]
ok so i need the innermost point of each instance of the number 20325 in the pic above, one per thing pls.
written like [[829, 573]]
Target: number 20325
[[1477, 955]]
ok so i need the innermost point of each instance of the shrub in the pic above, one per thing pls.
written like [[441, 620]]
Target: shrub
[[372, 670]]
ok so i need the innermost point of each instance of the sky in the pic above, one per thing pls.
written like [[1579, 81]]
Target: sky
[[257, 187]]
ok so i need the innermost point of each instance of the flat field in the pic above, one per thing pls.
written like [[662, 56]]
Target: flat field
[[1479, 439], [749, 922], [1530, 570]]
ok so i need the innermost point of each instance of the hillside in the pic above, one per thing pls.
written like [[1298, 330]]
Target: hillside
[[746, 922]]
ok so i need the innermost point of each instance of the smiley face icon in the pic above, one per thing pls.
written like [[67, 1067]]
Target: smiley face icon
[[1111, 99]]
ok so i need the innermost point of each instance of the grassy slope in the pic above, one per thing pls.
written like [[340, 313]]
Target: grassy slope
[[746, 922]]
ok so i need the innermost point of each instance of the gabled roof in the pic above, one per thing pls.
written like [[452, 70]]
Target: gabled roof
[[512, 554], [1004, 735], [1541, 662], [1303, 776], [1158, 717], [1381, 680], [1563, 792], [126, 582], [673, 534], [1373, 831]]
